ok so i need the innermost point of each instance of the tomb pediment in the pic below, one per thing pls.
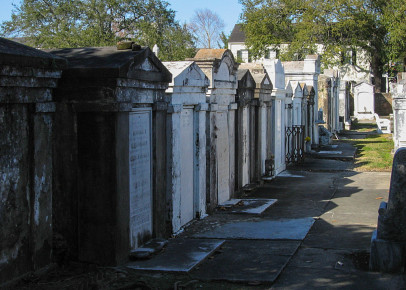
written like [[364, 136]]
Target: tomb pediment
[[147, 65], [186, 74]]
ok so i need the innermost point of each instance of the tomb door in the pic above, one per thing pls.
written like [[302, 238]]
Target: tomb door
[[223, 158], [187, 164], [140, 177]]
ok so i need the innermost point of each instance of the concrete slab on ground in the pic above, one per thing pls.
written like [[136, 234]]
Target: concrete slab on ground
[[319, 164], [180, 255], [247, 261], [288, 173], [283, 229], [331, 152], [249, 206], [342, 151], [230, 202]]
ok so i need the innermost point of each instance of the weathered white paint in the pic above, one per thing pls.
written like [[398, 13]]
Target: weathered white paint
[[187, 150], [399, 115], [279, 137], [186, 143], [263, 92], [276, 73], [265, 138], [297, 100], [306, 71], [364, 101], [220, 67], [245, 145], [200, 160], [140, 152], [223, 157], [231, 141]]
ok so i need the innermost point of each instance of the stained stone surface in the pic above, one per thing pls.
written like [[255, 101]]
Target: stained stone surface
[[247, 261], [392, 216], [253, 206], [180, 255], [388, 244], [287, 229]]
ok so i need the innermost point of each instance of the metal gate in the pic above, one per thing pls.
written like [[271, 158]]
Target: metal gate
[[294, 142]]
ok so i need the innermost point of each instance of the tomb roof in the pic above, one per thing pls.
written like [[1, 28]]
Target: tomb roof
[[241, 73], [111, 62], [208, 53], [12, 52]]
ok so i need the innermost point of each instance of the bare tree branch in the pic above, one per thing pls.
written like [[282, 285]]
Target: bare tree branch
[[206, 26]]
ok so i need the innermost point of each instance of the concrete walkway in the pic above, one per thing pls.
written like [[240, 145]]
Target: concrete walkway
[[312, 231], [316, 236]]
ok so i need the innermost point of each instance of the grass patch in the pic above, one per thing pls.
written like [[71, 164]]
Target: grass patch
[[373, 153], [363, 127]]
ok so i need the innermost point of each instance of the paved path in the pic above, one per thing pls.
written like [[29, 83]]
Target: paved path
[[315, 236]]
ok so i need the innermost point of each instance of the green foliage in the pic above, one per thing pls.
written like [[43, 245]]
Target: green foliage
[[83, 23], [224, 39], [376, 26]]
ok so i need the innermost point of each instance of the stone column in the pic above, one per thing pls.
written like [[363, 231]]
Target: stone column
[[211, 157], [159, 131], [232, 108], [174, 170], [200, 165]]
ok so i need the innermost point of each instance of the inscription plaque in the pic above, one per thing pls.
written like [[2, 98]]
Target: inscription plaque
[[140, 156]]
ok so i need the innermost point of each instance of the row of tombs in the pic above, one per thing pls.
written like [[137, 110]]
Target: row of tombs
[[103, 149]]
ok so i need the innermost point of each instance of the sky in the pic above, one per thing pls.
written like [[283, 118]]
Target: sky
[[228, 10]]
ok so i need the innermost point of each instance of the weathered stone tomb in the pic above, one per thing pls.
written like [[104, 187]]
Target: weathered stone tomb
[[221, 69], [263, 120], [27, 80], [110, 155], [186, 131], [245, 129], [388, 244], [364, 101], [306, 71], [276, 73]]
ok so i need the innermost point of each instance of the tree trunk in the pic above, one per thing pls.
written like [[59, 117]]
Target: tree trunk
[[377, 66]]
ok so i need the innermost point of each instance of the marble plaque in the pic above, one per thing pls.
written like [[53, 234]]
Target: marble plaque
[[140, 153], [187, 161]]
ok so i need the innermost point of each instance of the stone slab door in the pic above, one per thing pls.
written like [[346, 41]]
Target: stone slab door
[[187, 154], [223, 158], [140, 177]]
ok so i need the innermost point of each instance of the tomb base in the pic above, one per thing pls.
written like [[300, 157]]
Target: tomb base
[[387, 256]]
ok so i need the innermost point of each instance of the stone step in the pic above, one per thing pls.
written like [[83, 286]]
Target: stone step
[[147, 250]]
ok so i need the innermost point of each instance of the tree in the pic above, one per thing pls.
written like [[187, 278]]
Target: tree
[[81, 23], [224, 39], [206, 26], [340, 25]]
